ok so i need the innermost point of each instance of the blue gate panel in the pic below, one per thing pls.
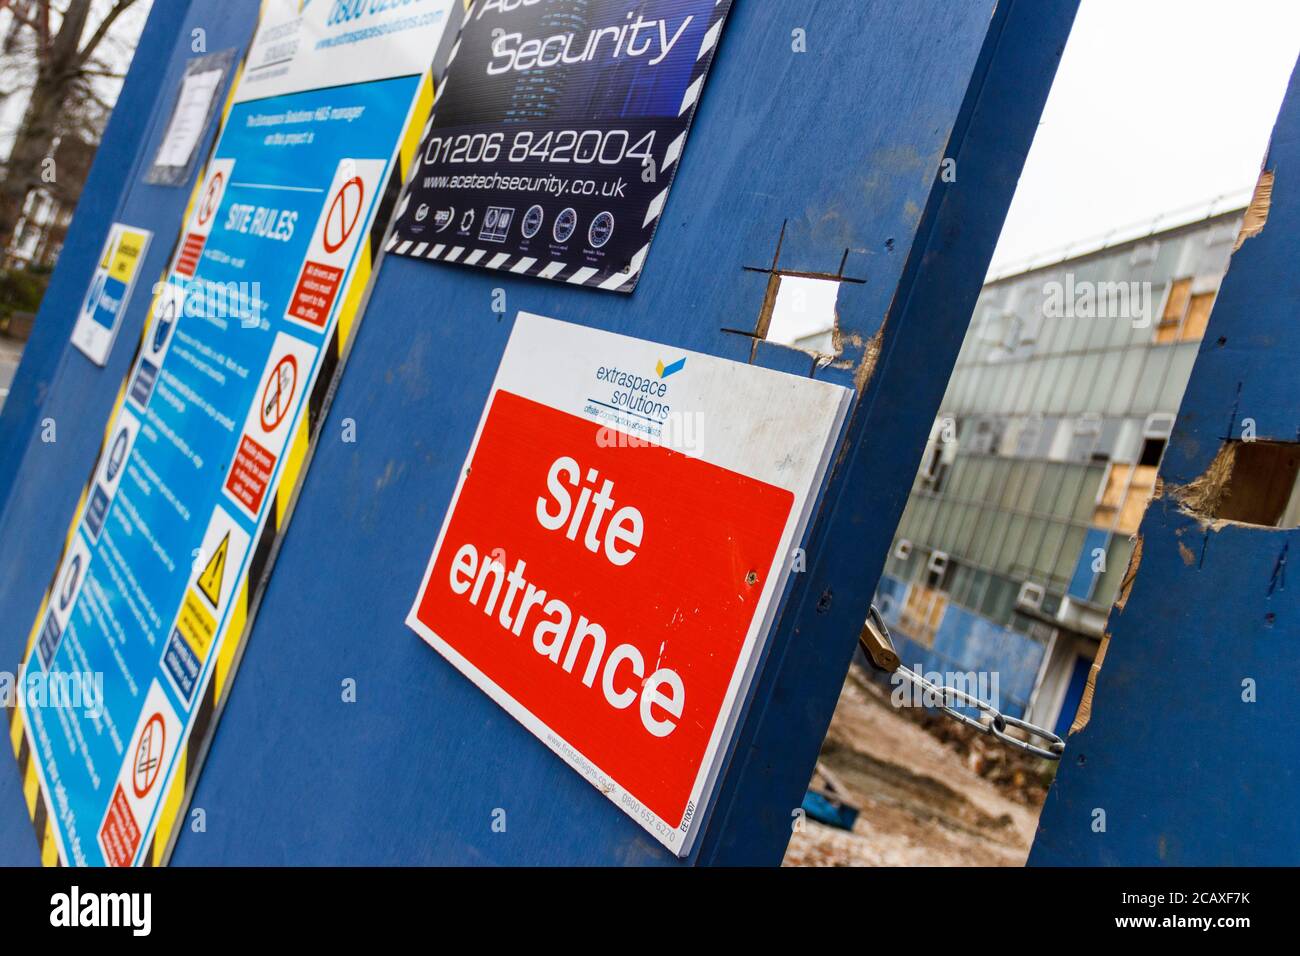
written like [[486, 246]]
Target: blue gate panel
[[1187, 750], [816, 162]]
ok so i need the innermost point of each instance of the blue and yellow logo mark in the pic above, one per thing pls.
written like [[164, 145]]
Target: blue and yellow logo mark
[[666, 370]]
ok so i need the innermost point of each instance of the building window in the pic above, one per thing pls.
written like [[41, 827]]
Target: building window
[[1030, 596], [1087, 432], [936, 571], [1187, 312], [1154, 438], [1144, 253]]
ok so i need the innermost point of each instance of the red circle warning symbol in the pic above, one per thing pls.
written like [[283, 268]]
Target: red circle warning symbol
[[277, 396], [211, 199], [148, 756], [344, 214]]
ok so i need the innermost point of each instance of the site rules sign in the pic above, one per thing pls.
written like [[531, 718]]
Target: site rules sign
[[556, 135], [110, 290], [612, 557], [155, 591]]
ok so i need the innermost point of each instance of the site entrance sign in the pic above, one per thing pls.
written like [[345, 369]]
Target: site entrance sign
[[623, 527]]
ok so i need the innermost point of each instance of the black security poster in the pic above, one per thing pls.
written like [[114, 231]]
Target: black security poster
[[556, 132]]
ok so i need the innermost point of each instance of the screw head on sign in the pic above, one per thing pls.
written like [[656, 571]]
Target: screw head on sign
[[751, 578]]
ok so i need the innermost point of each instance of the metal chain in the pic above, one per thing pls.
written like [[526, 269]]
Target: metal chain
[[991, 720]]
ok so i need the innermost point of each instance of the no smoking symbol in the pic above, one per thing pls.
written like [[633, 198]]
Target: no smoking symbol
[[148, 756], [278, 394], [344, 214], [211, 195]]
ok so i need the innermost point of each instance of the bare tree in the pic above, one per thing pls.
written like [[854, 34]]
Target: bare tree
[[61, 46]]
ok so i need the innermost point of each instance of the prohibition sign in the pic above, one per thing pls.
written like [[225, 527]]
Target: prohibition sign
[[277, 396], [211, 195], [344, 214], [148, 756]]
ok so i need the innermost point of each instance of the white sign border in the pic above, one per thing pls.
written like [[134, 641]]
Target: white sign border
[[705, 785]]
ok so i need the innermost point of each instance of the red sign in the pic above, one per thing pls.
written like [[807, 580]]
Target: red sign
[[120, 835], [192, 245], [314, 295], [191, 251], [250, 474], [607, 590]]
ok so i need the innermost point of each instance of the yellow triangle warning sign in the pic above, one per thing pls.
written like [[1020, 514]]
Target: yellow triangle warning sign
[[210, 580]]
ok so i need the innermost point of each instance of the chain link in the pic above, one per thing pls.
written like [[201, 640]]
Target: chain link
[[991, 721]]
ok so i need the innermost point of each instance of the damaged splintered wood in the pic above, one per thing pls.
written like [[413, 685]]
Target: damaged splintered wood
[[775, 275], [1082, 715], [1252, 224], [1248, 482]]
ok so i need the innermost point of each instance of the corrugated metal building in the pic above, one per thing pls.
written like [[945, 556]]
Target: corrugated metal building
[[1020, 523]]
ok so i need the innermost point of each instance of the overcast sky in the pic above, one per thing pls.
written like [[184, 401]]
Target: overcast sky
[[1158, 104]]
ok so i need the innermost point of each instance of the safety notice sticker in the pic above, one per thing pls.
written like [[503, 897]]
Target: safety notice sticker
[[203, 455], [110, 290], [611, 560], [556, 135]]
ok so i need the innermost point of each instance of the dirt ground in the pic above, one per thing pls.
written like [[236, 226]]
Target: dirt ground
[[915, 779]]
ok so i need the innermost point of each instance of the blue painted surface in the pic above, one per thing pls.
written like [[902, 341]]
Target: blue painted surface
[[823, 810], [1085, 578], [1187, 772], [55, 380], [966, 643], [983, 646], [842, 146], [119, 161], [890, 593], [1073, 695]]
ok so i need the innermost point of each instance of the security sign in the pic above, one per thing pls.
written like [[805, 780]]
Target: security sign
[[610, 562], [556, 135]]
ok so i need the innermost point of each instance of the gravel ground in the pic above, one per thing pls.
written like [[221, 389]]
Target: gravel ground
[[922, 803]]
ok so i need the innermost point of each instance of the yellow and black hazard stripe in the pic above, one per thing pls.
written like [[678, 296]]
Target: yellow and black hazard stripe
[[297, 456], [36, 799], [249, 589]]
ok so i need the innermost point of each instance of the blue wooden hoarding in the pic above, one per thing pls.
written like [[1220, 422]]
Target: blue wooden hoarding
[[817, 148]]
